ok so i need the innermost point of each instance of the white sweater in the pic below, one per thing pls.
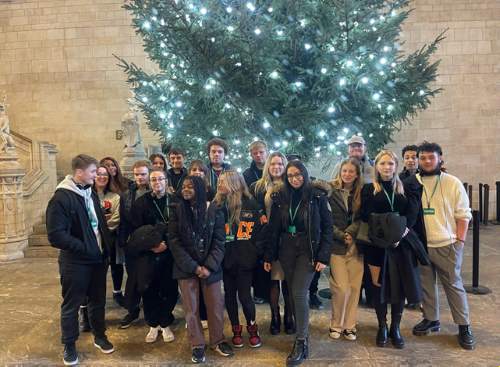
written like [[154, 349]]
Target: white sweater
[[450, 202]]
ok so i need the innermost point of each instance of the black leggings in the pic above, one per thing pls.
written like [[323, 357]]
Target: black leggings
[[237, 283]]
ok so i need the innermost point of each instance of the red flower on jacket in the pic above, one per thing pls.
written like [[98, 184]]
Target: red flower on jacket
[[106, 204]]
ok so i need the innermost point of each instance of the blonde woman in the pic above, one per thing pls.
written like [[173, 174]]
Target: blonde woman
[[272, 180], [244, 246], [393, 270], [346, 262]]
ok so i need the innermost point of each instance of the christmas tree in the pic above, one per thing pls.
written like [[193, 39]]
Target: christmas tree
[[302, 75]]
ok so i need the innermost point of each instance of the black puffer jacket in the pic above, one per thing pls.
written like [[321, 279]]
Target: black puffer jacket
[[69, 228], [318, 221], [189, 253]]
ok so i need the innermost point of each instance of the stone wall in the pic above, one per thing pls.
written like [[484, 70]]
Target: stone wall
[[465, 117], [57, 66]]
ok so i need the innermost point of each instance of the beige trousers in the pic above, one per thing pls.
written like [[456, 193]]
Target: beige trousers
[[346, 273]]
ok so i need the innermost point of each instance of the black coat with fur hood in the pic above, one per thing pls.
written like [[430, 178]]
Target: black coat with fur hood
[[316, 216]]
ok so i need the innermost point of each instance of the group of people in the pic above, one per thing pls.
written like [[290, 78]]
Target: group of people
[[199, 229]]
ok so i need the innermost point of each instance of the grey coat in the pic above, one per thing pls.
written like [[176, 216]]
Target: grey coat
[[343, 220]]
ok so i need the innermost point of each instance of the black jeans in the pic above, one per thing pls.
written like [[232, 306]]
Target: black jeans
[[79, 281], [132, 294], [237, 283], [160, 297], [295, 258]]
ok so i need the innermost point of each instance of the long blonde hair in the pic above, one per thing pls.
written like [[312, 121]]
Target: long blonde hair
[[237, 190], [397, 185], [266, 183], [337, 182]]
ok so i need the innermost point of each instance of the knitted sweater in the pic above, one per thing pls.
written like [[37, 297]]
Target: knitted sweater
[[450, 203]]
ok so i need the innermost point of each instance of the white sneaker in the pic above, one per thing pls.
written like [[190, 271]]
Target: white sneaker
[[350, 334], [335, 334], [204, 324], [152, 334], [168, 335]]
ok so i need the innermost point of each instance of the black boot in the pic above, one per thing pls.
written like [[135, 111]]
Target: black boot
[[395, 333], [465, 337], [299, 352], [83, 320], [382, 337], [275, 327]]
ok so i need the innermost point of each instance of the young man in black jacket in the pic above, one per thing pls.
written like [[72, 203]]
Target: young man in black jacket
[[136, 189], [76, 226], [158, 288]]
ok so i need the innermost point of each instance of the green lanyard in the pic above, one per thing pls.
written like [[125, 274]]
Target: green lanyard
[[390, 200], [292, 217], [427, 199], [291, 228]]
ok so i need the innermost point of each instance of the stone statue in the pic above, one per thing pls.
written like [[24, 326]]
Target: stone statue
[[6, 141], [130, 126]]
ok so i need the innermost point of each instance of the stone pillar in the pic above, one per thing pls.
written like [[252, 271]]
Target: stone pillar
[[13, 234]]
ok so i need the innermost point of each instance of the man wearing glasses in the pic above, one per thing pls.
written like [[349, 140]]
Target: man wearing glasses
[[159, 289]]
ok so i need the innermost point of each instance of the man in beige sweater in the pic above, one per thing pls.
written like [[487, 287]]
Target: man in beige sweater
[[442, 225]]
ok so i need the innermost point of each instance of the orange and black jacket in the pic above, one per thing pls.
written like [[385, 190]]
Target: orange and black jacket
[[244, 240]]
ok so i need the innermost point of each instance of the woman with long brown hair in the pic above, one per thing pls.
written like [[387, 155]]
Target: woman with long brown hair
[[346, 262], [243, 248], [300, 236], [118, 182]]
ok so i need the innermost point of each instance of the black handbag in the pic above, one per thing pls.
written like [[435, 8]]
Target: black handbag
[[386, 229]]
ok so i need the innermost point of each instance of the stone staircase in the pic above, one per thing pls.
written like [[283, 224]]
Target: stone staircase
[[38, 244]]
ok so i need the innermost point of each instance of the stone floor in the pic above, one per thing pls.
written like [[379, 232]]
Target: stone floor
[[29, 328]]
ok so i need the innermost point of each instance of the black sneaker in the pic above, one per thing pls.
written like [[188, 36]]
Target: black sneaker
[[70, 355], [425, 327], [198, 355], [224, 349], [465, 337], [314, 302], [102, 343], [119, 299], [128, 320]]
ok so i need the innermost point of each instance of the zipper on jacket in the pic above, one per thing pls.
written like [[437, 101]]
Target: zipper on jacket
[[310, 237]]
